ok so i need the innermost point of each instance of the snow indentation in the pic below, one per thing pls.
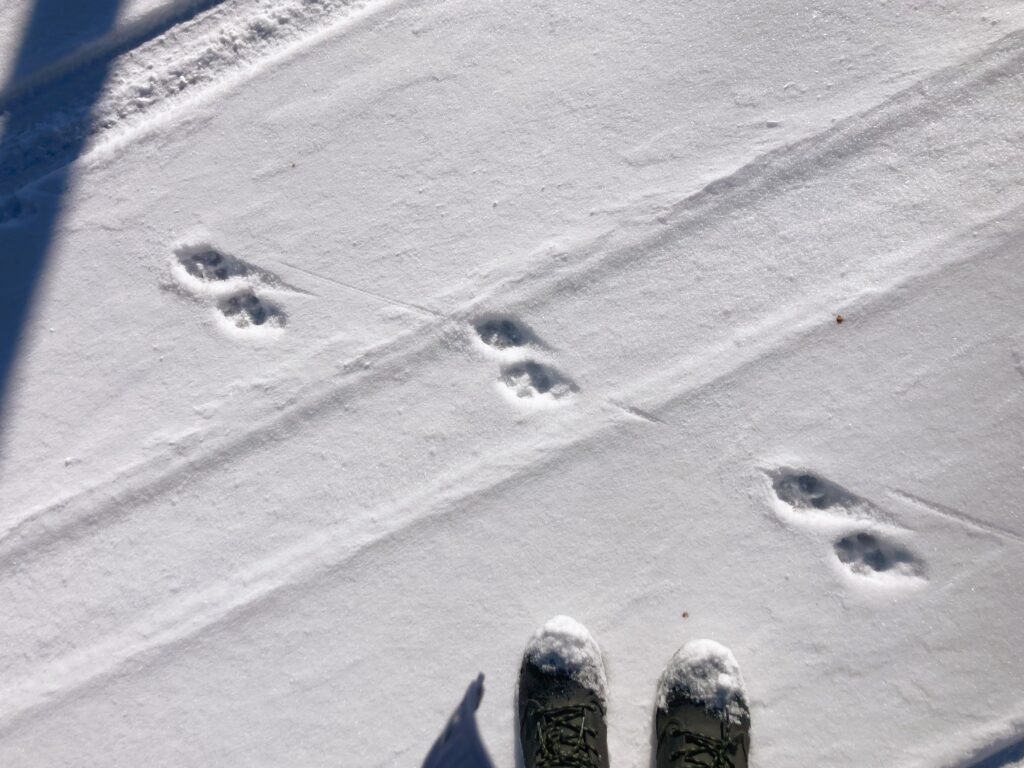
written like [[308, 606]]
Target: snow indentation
[[208, 264], [806, 498], [246, 310], [532, 380], [805, 490], [237, 290], [524, 375], [868, 554], [503, 333]]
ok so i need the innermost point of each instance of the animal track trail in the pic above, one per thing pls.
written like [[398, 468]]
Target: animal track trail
[[523, 376], [234, 287], [204, 269], [863, 545]]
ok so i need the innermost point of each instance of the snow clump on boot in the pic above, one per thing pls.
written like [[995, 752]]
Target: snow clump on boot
[[563, 646], [705, 672]]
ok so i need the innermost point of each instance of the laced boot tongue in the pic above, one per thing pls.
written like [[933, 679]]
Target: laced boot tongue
[[565, 739], [701, 750]]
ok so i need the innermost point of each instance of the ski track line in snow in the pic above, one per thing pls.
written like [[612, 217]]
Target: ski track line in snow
[[104, 502], [319, 556], [939, 257], [174, 622], [365, 292], [153, 63], [925, 100], [783, 166], [962, 518]]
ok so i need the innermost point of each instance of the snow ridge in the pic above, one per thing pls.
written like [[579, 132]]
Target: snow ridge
[[198, 52]]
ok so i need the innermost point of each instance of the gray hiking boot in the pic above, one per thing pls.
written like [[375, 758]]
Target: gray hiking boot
[[702, 718], [562, 695]]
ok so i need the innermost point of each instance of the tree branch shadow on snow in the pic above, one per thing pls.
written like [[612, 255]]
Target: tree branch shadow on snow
[[29, 216]]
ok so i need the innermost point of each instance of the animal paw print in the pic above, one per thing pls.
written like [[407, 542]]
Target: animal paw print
[[807, 499], [208, 265], [522, 374], [867, 554], [865, 543], [236, 290], [504, 333], [248, 310], [531, 379]]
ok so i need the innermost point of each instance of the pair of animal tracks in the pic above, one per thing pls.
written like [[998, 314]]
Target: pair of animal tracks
[[523, 373], [238, 291], [867, 539]]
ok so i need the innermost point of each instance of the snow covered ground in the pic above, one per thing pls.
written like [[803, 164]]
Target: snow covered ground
[[373, 334]]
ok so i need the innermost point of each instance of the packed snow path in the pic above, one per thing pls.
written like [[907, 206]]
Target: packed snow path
[[385, 337]]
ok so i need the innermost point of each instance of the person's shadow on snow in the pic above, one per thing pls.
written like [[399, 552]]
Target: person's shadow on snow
[[460, 745]]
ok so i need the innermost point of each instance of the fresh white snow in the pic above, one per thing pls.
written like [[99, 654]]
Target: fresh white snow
[[285, 516]]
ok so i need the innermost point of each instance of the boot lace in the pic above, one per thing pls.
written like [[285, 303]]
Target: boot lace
[[704, 751], [564, 740]]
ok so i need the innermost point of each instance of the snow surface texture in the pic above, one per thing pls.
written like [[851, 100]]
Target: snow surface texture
[[525, 308], [706, 672], [563, 646]]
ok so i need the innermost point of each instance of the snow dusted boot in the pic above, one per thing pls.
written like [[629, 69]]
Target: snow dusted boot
[[562, 695], [702, 718]]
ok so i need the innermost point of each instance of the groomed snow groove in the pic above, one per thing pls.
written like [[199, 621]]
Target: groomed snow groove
[[153, 63], [921, 103], [958, 516]]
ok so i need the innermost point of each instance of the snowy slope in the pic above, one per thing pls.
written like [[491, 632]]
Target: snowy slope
[[295, 543]]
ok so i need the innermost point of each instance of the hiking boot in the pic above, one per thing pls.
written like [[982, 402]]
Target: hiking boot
[[702, 717], [562, 695]]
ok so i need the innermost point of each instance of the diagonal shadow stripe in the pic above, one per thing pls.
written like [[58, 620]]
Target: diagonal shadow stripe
[[26, 240]]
